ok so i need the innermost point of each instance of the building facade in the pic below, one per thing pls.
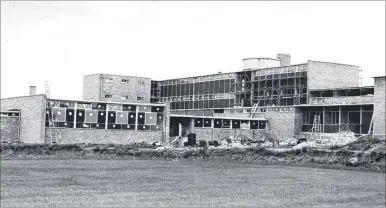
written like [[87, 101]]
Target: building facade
[[267, 97]]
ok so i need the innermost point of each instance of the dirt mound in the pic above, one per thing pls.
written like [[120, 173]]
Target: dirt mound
[[365, 145], [372, 158]]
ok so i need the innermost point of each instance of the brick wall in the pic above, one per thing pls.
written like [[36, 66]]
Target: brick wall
[[91, 87], [99, 88], [102, 136], [9, 129], [210, 134], [323, 75], [379, 105], [281, 124], [298, 121], [32, 111]]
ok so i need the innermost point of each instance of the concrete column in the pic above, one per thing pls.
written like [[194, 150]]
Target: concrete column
[[324, 118], [340, 116], [167, 122], [360, 120]]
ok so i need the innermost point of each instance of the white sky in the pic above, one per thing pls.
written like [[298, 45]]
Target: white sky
[[62, 41]]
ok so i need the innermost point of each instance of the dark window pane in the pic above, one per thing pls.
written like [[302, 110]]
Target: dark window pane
[[111, 117], [235, 124], [226, 123], [207, 122], [80, 115], [70, 115], [253, 125], [141, 118], [262, 124], [101, 117], [217, 123], [157, 109], [198, 122]]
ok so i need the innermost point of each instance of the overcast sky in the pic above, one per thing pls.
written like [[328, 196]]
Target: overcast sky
[[62, 41]]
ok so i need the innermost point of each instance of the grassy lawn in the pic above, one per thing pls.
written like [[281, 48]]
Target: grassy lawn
[[160, 183]]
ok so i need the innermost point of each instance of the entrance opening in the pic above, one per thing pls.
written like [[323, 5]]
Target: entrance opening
[[174, 126]]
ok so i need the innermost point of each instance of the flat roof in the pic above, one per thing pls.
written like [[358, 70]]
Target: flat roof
[[232, 72], [333, 63], [115, 75], [261, 58], [275, 67], [218, 117], [23, 96]]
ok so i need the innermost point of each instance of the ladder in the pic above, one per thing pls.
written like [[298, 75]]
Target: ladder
[[48, 109], [371, 124], [254, 109], [316, 126]]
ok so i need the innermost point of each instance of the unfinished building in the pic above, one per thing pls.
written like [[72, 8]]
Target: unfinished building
[[268, 97]]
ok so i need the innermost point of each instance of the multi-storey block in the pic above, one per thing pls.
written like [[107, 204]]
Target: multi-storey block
[[116, 88]]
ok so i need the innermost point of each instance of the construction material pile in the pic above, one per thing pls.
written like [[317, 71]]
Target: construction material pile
[[228, 142], [328, 140]]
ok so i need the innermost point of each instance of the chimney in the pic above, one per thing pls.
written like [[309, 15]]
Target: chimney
[[285, 59], [32, 90]]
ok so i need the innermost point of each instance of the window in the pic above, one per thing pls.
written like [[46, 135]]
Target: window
[[124, 97], [125, 81], [140, 98], [108, 79], [108, 96], [218, 110]]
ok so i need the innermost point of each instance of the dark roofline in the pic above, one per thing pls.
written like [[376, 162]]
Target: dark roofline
[[379, 76]]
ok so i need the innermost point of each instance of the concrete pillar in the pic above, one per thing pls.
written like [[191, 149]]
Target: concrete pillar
[[166, 122]]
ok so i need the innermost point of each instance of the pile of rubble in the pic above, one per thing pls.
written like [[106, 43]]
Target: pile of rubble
[[229, 142], [329, 140]]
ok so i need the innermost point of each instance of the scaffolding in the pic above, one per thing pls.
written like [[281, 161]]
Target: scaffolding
[[316, 126], [280, 86]]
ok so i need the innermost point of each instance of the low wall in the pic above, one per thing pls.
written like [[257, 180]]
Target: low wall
[[102, 136], [210, 134], [9, 129]]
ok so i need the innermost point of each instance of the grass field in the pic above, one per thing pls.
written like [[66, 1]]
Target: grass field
[[161, 183]]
